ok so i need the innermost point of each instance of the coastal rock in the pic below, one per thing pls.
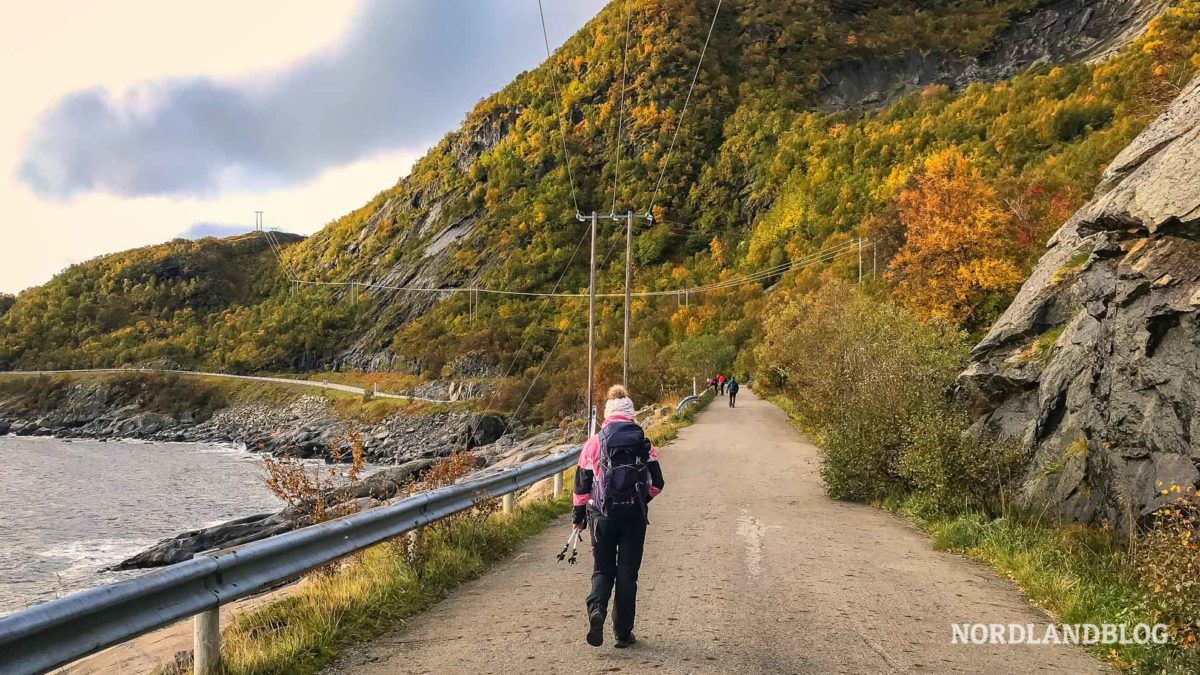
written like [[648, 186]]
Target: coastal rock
[[185, 546], [1094, 369], [372, 492], [452, 390]]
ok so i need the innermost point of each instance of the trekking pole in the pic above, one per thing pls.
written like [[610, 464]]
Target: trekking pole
[[571, 545]]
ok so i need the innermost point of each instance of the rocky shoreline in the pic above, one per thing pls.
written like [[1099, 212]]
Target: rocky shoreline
[[375, 491], [306, 428]]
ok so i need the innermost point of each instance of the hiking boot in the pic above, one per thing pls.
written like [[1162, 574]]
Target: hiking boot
[[627, 641], [595, 635]]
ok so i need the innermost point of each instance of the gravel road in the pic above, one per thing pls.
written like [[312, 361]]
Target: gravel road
[[749, 568]]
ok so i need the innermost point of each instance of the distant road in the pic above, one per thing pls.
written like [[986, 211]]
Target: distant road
[[749, 568], [255, 378]]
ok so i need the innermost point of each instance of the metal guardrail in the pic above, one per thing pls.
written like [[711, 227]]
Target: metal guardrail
[[685, 403], [60, 631]]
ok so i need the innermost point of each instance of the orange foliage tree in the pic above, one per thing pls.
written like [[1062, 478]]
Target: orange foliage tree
[[958, 261]]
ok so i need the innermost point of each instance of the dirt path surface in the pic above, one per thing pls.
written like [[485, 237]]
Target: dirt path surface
[[749, 568]]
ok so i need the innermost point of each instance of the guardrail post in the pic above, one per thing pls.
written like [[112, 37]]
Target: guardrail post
[[414, 543], [508, 502], [206, 652], [558, 485]]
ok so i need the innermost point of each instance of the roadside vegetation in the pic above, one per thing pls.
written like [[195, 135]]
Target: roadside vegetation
[[368, 594], [870, 382], [164, 394]]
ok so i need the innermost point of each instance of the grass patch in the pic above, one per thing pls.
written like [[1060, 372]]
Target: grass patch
[[1042, 348], [374, 592], [173, 394], [1080, 574], [1075, 264], [373, 410], [164, 394]]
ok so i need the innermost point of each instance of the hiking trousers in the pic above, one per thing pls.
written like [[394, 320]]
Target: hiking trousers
[[732, 398], [617, 545]]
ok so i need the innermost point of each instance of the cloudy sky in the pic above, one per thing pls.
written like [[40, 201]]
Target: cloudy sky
[[131, 122]]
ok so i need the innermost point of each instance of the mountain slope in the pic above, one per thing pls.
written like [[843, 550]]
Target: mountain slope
[[768, 167], [152, 302]]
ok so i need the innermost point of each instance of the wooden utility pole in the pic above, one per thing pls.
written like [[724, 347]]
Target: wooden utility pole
[[591, 373], [860, 274], [628, 290]]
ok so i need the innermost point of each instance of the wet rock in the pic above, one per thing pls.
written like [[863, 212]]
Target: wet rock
[[382, 485], [1112, 412], [185, 546], [452, 390]]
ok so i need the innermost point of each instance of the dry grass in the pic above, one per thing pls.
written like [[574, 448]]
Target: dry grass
[[1081, 575], [664, 432], [1167, 562], [363, 598]]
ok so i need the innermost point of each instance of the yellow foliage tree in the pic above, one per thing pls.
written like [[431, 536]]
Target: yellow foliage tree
[[958, 260]]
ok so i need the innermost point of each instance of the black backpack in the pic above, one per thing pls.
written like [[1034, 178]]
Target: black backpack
[[622, 481]]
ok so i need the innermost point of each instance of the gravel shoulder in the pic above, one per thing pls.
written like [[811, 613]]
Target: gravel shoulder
[[749, 568]]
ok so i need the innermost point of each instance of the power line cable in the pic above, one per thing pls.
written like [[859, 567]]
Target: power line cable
[[278, 251], [562, 132], [679, 125], [621, 111], [819, 256]]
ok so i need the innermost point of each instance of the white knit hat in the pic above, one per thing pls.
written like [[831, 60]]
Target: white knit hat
[[619, 406]]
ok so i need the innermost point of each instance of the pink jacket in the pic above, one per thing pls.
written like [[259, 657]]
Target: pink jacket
[[591, 452]]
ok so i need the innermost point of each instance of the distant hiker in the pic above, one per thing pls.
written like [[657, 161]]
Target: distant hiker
[[618, 475], [708, 383], [733, 390], [721, 384]]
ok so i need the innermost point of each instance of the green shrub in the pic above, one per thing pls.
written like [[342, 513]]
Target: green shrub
[[870, 382], [1073, 123], [953, 469]]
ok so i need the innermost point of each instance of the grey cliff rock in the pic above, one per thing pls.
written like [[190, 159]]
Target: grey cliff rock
[[1095, 368]]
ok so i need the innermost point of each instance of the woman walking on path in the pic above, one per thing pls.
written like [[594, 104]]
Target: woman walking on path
[[618, 475]]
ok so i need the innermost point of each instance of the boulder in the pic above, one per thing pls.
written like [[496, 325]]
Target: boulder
[[484, 429], [1094, 369]]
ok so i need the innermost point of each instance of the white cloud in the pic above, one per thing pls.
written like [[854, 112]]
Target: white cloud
[[57, 47]]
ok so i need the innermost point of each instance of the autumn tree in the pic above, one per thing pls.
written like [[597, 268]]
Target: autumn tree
[[957, 262]]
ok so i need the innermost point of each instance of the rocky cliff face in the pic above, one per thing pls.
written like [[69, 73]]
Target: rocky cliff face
[[1060, 31], [1095, 368]]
